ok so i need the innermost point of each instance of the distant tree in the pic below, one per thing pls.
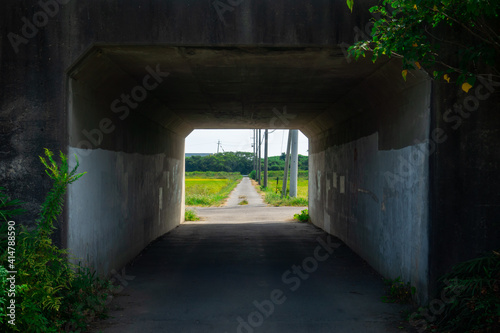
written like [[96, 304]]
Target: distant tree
[[241, 162]]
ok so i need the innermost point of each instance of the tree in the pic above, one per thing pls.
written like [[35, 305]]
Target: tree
[[452, 40]]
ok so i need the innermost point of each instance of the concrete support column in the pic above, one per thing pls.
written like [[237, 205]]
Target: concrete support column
[[294, 168]]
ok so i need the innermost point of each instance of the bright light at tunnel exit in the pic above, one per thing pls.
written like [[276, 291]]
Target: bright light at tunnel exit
[[208, 141]]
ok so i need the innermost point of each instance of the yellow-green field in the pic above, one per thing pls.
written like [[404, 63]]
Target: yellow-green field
[[209, 189]]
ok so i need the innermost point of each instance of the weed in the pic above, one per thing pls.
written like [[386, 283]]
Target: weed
[[303, 216], [51, 294], [190, 215], [398, 292], [275, 199], [243, 202]]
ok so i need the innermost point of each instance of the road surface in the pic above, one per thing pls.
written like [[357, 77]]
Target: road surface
[[248, 269]]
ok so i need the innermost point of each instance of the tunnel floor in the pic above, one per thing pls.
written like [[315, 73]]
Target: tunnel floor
[[260, 276]]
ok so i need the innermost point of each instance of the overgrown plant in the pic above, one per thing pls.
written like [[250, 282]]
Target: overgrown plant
[[46, 281], [398, 291], [190, 215], [476, 308], [303, 216]]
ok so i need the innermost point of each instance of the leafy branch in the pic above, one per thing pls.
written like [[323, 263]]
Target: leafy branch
[[446, 38], [62, 177]]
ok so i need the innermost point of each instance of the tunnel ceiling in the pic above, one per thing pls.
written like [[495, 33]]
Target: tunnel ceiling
[[231, 87]]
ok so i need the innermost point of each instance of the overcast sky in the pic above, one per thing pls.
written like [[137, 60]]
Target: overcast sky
[[205, 141]]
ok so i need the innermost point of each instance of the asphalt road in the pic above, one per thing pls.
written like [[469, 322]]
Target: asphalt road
[[249, 269]]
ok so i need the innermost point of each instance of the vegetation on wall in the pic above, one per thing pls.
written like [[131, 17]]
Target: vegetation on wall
[[452, 40], [50, 294]]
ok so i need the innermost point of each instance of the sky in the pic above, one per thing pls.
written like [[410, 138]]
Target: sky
[[205, 141]]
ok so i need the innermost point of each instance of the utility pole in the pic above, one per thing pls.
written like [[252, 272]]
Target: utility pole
[[287, 161], [266, 137], [294, 168], [253, 145], [258, 159]]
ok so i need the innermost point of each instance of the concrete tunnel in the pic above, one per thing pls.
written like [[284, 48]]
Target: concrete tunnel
[[408, 189], [131, 108]]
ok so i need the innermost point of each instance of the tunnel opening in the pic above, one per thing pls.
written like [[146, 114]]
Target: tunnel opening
[[213, 153], [131, 108]]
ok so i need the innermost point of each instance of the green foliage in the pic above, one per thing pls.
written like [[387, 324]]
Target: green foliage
[[190, 215], [9, 208], [53, 204], [476, 307], [303, 216], [350, 4], [449, 38], [253, 175], [398, 291], [243, 202], [275, 184], [46, 285], [276, 200], [241, 162], [86, 299]]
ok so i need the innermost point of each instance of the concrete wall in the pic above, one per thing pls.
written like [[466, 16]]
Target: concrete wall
[[465, 175], [369, 180], [125, 201], [132, 192]]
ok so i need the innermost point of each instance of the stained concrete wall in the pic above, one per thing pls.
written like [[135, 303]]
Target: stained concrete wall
[[369, 179], [125, 201], [133, 189]]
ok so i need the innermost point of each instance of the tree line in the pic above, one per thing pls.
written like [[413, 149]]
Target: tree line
[[241, 162]]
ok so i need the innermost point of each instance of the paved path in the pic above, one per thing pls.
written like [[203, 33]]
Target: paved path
[[255, 211], [263, 275], [245, 190]]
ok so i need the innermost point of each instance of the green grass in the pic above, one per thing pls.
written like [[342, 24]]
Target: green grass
[[273, 191], [190, 215], [209, 188]]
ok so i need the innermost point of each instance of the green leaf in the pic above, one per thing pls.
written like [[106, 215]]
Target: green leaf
[[350, 4]]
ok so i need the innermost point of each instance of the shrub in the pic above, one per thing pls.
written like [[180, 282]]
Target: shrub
[[303, 216], [476, 307]]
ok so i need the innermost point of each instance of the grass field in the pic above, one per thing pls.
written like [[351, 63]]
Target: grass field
[[209, 188], [274, 186]]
